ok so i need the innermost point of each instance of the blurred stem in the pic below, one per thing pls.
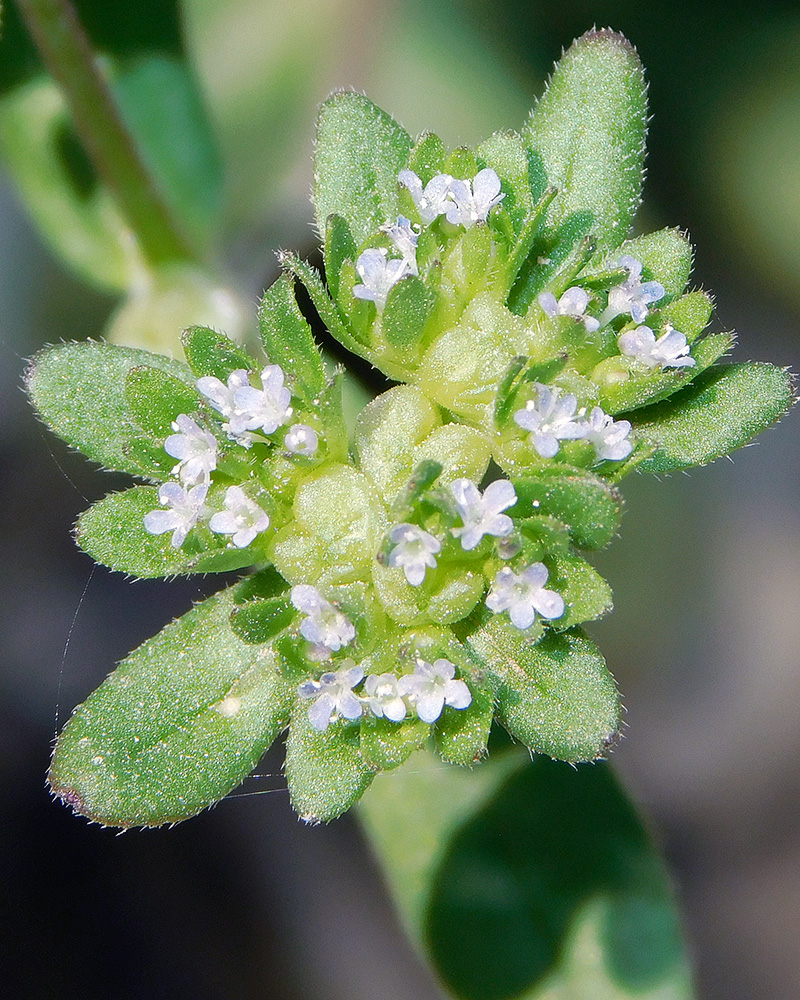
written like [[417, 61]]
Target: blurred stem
[[66, 53]]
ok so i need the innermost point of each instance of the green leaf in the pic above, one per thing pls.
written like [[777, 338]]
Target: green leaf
[[79, 391], [585, 592], [161, 104], [506, 154], [360, 151], [462, 735], [627, 387], [385, 744], [211, 353], [288, 340], [530, 880], [557, 696], [339, 247], [178, 724], [157, 398], [666, 256], [690, 314], [427, 156], [260, 621], [590, 507], [588, 132], [325, 770], [112, 532], [726, 407], [408, 308]]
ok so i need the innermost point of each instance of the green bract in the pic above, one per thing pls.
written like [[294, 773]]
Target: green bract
[[426, 574]]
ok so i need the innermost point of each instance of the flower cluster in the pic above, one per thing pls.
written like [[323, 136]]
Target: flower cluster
[[423, 693], [554, 416]]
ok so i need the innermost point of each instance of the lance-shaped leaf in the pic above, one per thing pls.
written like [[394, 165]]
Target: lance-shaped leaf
[[79, 390], [157, 398], [360, 151], [408, 308], [588, 133], [211, 353], [723, 409], [181, 722], [557, 696], [288, 340], [530, 880]]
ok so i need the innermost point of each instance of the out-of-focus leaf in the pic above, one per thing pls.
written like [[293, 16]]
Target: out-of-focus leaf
[[530, 880], [79, 392], [723, 409], [179, 724], [360, 151], [587, 134]]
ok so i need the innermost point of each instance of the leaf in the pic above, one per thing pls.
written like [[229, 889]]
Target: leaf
[[360, 151], [506, 154], [722, 410], [112, 532], [585, 592], [666, 256], [690, 314], [408, 308], [260, 621], [588, 132], [79, 392], [462, 735], [178, 724], [385, 745], [161, 104], [557, 695], [288, 340], [388, 431], [590, 507], [427, 156], [339, 247], [325, 770], [157, 398], [211, 353], [586, 908]]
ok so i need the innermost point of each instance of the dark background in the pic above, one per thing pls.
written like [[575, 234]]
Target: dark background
[[244, 901]]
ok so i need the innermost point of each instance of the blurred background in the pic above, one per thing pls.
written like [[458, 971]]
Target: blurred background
[[244, 902]]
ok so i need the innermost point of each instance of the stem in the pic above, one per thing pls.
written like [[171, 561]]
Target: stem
[[66, 53]]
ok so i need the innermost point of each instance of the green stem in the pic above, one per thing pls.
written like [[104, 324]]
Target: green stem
[[66, 52]]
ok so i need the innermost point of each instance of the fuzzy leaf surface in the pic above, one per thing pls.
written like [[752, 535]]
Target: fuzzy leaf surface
[[179, 724]]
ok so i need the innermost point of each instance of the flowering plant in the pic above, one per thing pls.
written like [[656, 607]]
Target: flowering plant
[[422, 574]]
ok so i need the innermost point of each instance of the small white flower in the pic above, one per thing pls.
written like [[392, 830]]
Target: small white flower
[[242, 518], [574, 302], [633, 296], [433, 200], [550, 419], [301, 440], [414, 550], [185, 507], [432, 686], [379, 276], [264, 409], [324, 626], [523, 595], [405, 240], [670, 350], [333, 696], [195, 448], [471, 202], [218, 394], [384, 697], [481, 514], [609, 436]]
